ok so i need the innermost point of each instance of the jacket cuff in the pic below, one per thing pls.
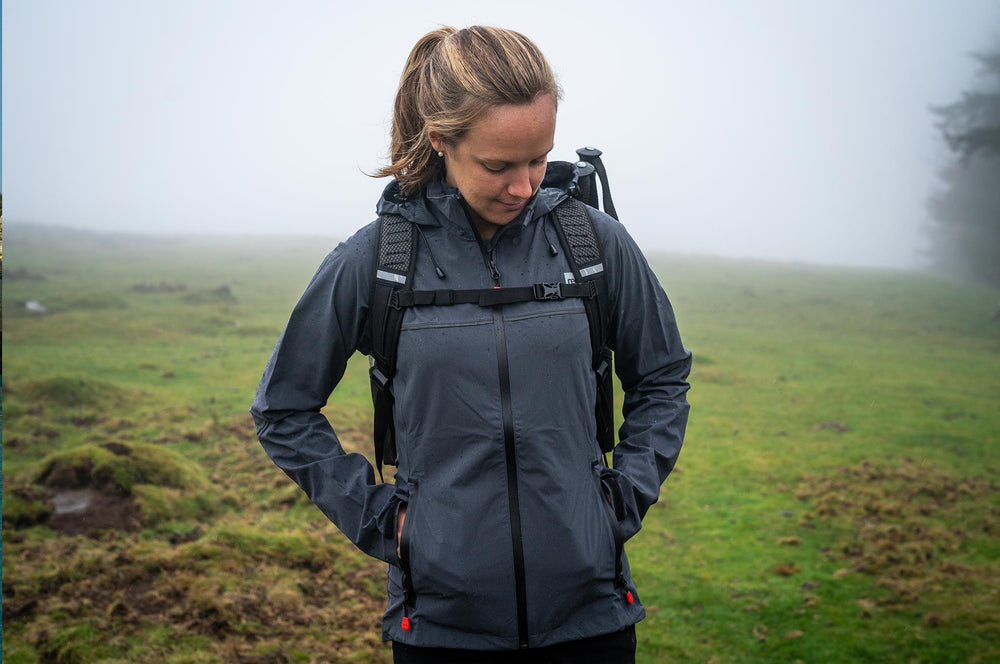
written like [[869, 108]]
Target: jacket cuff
[[622, 496], [387, 521]]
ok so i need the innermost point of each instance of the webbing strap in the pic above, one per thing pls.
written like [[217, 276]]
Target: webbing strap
[[491, 297], [609, 205]]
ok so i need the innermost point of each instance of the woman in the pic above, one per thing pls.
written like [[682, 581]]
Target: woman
[[503, 529]]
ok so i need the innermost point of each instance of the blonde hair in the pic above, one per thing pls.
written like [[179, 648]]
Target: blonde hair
[[450, 79]]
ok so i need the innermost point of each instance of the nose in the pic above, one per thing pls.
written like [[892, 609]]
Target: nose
[[520, 185]]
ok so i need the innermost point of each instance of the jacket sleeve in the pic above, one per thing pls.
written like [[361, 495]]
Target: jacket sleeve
[[653, 367], [325, 328]]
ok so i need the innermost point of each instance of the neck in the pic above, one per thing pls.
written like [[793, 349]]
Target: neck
[[485, 229]]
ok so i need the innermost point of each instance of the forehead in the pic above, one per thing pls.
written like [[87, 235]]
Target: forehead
[[513, 131]]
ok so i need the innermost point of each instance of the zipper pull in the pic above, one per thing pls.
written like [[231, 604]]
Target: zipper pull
[[629, 597], [408, 601], [494, 272]]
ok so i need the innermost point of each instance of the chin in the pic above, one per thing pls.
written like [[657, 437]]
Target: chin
[[506, 216]]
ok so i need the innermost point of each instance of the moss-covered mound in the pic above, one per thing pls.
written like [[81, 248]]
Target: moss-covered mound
[[68, 391], [118, 468], [124, 486]]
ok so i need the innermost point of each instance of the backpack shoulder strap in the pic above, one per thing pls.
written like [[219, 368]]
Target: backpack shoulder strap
[[395, 259], [576, 233]]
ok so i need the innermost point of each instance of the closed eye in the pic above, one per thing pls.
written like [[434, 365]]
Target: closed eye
[[499, 167]]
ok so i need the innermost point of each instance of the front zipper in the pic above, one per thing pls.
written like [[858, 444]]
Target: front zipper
[[510, 455], [491, 263], [512, 494], [409, 595]]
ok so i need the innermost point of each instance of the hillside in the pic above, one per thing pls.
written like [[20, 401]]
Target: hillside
[[836, 499]]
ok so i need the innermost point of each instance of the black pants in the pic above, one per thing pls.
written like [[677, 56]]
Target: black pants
[[614, 648]]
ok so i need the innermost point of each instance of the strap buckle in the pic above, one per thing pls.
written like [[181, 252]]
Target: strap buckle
[[551, 291]]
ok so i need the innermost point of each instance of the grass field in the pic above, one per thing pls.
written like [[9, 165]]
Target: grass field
[[836, 501]]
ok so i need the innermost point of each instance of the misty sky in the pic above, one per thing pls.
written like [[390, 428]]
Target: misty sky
[[790, 129]]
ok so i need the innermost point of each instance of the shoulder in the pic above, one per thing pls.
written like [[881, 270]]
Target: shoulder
[[359, 249], [613, 239], [349, 265], [607, 227]]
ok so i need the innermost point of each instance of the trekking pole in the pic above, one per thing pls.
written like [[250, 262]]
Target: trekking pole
[[585, 175], [592, 157]]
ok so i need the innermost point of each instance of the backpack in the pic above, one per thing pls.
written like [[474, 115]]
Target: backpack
[[396, 260]]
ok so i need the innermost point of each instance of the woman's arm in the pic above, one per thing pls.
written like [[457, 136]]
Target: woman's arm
[[324, 330], [653, 366]]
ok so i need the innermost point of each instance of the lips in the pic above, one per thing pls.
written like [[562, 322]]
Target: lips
[[512, 207]]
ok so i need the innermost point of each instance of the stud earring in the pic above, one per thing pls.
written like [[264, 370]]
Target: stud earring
[[440, 154]]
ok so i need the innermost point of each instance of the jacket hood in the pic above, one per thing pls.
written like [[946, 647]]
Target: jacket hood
[[440, 202]]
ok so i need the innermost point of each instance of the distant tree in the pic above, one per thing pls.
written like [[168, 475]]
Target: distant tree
[[965, 233]]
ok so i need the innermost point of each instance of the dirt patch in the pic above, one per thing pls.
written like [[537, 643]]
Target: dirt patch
[[84, 511], [910, 524], [71, 507], [120, 486]]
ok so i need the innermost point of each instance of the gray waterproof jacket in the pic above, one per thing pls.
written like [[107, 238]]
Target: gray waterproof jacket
[[513, 523]]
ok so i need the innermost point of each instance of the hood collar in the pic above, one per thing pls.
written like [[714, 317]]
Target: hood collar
[[440, 203]]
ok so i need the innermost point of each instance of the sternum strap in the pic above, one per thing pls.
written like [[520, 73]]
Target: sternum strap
[[491, 297]]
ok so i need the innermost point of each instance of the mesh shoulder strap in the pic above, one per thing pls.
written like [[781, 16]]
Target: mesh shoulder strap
[[393, 272], [578, 237]]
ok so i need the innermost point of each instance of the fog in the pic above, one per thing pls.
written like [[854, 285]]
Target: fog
[[766, 129]]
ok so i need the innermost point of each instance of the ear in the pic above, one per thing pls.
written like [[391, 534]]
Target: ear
[[436, 141]]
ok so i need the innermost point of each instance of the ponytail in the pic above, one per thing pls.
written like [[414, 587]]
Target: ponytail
[[410, 149]]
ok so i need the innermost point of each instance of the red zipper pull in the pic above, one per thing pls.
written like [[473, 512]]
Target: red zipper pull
[[629, 597], [406, 623]]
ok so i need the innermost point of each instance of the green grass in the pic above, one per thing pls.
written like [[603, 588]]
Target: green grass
[[835, 500], [804, 370]]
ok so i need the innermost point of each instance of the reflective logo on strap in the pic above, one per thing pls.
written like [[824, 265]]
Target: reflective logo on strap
[[593, 269], [391, 276]]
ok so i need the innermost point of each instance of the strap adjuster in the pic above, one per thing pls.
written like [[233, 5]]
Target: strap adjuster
[[444, 297], [552, 291], [378, 378], [394, 299]]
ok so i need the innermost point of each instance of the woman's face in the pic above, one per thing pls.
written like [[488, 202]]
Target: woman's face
[[500, 162]]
